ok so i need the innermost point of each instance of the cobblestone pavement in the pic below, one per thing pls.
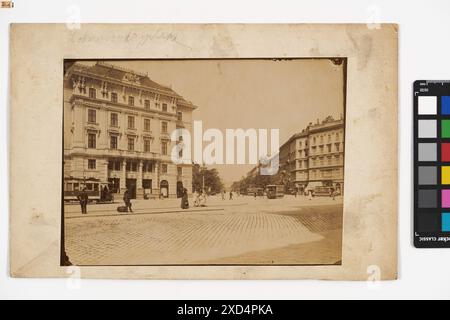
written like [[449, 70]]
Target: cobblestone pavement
[[244, 230]]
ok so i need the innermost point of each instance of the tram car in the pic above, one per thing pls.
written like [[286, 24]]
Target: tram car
[[97, 191]]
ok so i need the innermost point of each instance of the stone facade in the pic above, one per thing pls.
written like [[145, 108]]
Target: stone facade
[[315, 156], [117, 126]]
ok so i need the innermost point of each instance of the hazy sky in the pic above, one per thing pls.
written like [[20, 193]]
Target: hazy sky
[[261, 94]]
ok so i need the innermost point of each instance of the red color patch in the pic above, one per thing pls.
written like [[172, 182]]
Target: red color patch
[[445, 152]]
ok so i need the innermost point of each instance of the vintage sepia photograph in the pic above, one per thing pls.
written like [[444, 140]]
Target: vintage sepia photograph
[[203, 162]]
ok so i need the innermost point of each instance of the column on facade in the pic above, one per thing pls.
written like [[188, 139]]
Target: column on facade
[[123, 176], [139, 175], [157, 175]]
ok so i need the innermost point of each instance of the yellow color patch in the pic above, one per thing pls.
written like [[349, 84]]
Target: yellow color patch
[[446, 175]]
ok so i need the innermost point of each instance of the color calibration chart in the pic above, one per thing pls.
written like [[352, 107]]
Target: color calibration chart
[[432, 164]]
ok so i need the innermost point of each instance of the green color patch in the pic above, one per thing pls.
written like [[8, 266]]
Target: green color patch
[[445, 129]]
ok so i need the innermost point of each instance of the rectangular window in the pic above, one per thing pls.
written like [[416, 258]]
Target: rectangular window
[[114, 120], [131, 122], [92, 116], [147, 104], [147, 183], [164, 127], [164, 148], [91, 141], [164, 168], [146, 145], [329, 147], [114, 165], [113, 97], [180, 116], [337, 147], [113, 142], [180, 171], [147, 166], [92, 93], [131, 101], [131, 166], [146, 124], [164, 107], [130, 144], [91, 164]]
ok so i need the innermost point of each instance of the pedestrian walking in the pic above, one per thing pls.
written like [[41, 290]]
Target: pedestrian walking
[[83, 198], [310, 194], [184, 200], [333, 193], [202, 199], [223, 195], [196, 198], [127, 200], [231, 195]]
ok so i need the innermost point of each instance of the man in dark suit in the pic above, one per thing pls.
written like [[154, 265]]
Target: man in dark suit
[[127, 200], [83, 199]]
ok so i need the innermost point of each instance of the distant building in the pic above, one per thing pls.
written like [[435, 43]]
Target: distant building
[[117, 126], [315, 156]]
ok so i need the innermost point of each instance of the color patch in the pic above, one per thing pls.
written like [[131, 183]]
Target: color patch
[[445, 105], [427, 128], [445, 198], [445, 175], [445, 128], [427, 175], [427, 152], [445, 152], [427, 198], [446, 222], [427, 105], [427, 222]]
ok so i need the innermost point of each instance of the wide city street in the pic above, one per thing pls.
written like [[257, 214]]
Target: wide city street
[[245, 230]]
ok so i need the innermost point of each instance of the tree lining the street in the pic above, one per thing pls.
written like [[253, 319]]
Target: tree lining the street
[[213, 181], [259, 181]]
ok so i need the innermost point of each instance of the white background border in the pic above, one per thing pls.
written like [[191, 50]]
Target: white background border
[[423, 54]]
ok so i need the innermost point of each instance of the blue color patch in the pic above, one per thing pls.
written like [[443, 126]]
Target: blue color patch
[[446, 222], [445, 105]]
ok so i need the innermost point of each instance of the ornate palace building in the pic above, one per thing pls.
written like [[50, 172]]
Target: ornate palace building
[[315, 156], [117, 126]]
